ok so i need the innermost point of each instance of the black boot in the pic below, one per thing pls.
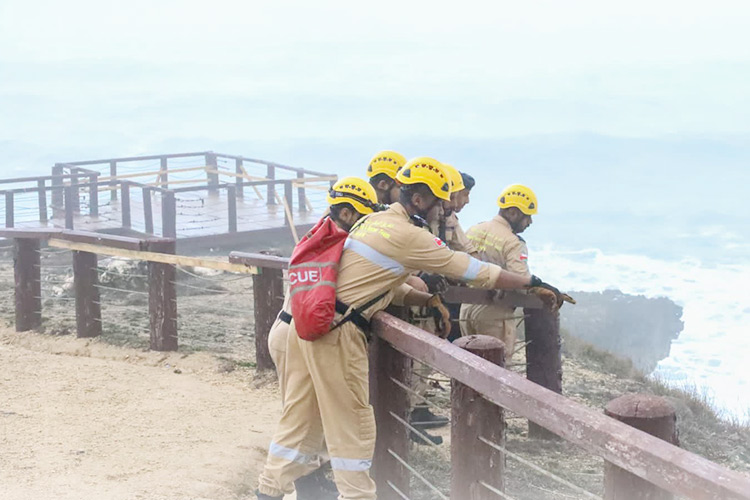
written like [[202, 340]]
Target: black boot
[[263, 496], [316, 486], [423, 436], [422, 418]]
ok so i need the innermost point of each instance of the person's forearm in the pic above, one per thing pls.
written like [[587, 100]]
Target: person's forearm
[[416, 298], [508, 280]]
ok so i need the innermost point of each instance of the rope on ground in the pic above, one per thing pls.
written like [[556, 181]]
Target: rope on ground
[[544, 472], [417, 475]]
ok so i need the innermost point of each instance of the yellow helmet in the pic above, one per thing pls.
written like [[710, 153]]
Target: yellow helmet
[[457, 182], [355, 191], [519, 196], [426, 171], [385, 162]]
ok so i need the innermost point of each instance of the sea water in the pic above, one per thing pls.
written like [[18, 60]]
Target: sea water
[[712, 353]]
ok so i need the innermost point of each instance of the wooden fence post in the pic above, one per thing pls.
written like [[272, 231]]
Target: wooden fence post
[[162, 299], [301, 199], [386, 365], [88, 308], [543, 357], [148, 211], [232, 208], [239, 181], [125, 205], [27, 270], [113, 181], [9, 212], [57, 191], [164, 176], [472, 418], [268, 298], [168, 215], [69, 215], [42, 187], [653, 415], [212, 178], [76, 189], [94, 195], [270, 193]]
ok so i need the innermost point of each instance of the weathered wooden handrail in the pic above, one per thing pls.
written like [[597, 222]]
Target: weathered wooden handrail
[[648, 457], [132, 158], [259, 260], [110, 240]]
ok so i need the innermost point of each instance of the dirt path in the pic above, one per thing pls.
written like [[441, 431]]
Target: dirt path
[[81, 419]]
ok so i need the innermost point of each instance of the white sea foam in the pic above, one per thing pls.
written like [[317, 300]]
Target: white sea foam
[[713, 351]]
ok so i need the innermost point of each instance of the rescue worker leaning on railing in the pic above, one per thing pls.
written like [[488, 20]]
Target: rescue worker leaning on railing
[[330, 394], [498, 241], [349, 199]]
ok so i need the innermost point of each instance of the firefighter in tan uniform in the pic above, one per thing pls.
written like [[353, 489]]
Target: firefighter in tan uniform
[[349, 199], [498, 241], [382, 172], [329, 394], [447, 226]]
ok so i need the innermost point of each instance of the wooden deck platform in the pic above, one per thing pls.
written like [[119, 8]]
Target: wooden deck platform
[[204, 203]]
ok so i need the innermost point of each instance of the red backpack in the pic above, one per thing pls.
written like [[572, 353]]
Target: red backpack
[[313, 270]]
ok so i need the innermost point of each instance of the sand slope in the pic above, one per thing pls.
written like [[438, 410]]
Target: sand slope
[[80, 419]]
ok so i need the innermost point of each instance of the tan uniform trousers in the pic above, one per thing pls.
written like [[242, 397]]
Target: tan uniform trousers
[[277, 337], [498, 322], [327, 396]]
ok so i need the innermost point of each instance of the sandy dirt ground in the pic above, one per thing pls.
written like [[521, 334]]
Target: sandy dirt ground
[[80, 419]]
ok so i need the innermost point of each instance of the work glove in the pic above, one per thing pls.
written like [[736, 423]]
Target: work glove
[[442, 316], [435, 282], [545, 291]]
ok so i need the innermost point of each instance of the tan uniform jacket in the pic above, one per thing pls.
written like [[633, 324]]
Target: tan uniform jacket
[[455, 237], [386, 247], [496, 243]]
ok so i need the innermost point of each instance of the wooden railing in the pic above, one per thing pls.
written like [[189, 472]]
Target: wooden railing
[[482, 389]]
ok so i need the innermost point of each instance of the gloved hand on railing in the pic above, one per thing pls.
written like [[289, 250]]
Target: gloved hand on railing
[[442, 316], [550, 295], [435, 282]]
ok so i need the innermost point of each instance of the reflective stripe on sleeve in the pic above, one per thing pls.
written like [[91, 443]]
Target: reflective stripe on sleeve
[[292, 455], [374, 256], [475, 265], [350, 464]]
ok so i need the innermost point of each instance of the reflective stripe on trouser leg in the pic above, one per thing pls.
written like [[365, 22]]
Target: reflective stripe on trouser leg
[[338, 366], [298, 439]]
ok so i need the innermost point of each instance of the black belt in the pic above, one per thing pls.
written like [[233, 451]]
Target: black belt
[[355, 315], [285, 317]]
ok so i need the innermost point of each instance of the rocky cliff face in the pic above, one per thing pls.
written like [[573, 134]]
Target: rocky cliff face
[[631, 326]]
